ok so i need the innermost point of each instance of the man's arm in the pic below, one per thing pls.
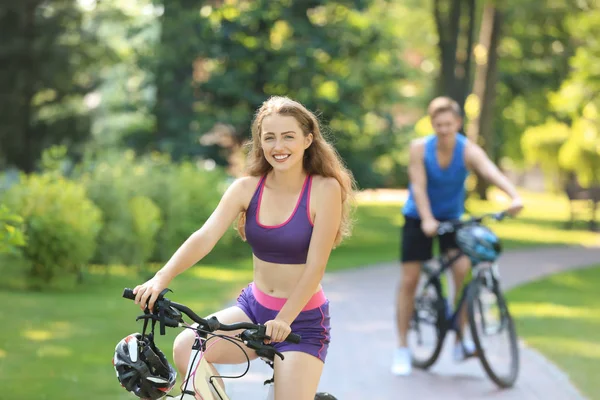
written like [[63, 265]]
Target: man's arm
[[418, 179], [478, 160]]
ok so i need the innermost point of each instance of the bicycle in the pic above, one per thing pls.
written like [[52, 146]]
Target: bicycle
[[205, 383], [432, 307]]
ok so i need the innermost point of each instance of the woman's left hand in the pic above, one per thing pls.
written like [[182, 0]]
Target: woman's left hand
[[277, 330]]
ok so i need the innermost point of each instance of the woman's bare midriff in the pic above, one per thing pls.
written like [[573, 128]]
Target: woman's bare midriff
[[277, 280]]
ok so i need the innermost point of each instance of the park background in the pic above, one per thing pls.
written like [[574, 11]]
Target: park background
[[123, 121]]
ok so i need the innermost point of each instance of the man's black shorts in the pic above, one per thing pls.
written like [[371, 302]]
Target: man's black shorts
[[416, 246]]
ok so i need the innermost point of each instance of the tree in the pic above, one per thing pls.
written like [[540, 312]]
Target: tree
[[534, 55], [179, 47], [480, 128], [579, 99], [455, 23], [48, 60], [340, 58], [573, 145]]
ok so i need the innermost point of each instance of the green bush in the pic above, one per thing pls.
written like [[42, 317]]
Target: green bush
[[61, 224], [185, 195], [146, 222], [110, 184], [11, 231]]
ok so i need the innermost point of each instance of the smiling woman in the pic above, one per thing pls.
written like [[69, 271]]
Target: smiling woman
[[282, 140], [293, 208]]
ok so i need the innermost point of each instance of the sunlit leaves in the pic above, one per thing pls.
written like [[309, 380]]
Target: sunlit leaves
[[11, 230]]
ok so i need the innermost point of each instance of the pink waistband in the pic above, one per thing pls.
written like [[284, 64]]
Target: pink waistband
[[276, 303]]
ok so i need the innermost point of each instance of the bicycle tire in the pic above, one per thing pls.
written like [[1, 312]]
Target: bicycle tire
[[437, 307], [473, 299], [324, 396]]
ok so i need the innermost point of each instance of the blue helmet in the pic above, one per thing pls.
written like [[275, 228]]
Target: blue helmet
[[479, 243]]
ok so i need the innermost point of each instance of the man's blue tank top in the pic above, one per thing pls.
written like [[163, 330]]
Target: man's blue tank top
[[445, 187]]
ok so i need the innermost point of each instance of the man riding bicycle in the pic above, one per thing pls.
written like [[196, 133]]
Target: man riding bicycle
[[438, 168]]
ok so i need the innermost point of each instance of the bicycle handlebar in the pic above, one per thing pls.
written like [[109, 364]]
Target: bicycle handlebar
[[453, 225], [212, 324]]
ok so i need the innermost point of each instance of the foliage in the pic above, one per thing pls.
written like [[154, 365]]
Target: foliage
[[578, 99], [150, 205], [123, 101], [186, 195], [339, 59], [534, 60], [542, 144], [581, 152], [11, 232], [112, 184], [61, 224], [50, 62], [146, 223]]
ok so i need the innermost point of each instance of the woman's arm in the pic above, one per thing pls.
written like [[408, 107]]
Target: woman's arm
[[327, 222], [200, 243]]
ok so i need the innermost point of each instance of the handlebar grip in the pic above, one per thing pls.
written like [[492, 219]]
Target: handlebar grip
[[128, 294], [445, 227], [293, 338]]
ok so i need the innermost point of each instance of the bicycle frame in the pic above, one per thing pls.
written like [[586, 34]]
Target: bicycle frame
[[205, 382], [451, 319], [199, 370]]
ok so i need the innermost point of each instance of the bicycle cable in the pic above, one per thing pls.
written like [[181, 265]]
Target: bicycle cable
[[213, 335]]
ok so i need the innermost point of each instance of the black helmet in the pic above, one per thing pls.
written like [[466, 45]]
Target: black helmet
[[142, 368]]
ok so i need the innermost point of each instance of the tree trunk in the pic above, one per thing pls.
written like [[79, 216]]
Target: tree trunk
[[175, 77], [480, 129], [26, 161], [455, 46]]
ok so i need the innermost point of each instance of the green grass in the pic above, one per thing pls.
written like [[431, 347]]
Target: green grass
[[560, 316], [541, 223], [376, 237], [58, 344]]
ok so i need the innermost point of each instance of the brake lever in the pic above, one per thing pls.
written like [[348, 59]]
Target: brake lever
[[253, 339], [168, 321], [267, 351]]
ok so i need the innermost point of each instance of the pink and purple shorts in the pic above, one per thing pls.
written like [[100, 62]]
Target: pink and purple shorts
[[312, 324]]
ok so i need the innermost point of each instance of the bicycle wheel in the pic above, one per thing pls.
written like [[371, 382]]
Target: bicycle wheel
[[426, 330], [493, 331], [324, 396]]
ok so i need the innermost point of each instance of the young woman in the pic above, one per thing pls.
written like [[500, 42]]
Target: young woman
[[293, 208]]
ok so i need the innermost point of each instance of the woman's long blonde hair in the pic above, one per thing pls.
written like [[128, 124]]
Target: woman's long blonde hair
[[320, 158]]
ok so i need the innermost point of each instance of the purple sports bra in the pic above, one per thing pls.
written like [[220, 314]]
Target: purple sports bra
[[286, 243]]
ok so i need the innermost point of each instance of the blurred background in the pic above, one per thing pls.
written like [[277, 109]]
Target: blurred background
[[123, 121]]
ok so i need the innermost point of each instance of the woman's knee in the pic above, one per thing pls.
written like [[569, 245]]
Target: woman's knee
[[182, 348], [297, 377]]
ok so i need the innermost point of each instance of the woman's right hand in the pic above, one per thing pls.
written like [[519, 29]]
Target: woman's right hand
[[148, 292]]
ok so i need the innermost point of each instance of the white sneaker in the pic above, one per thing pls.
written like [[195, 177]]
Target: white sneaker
[[464, 350], [402, 364]]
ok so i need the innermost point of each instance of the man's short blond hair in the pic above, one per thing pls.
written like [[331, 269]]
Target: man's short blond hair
[[443, 104]]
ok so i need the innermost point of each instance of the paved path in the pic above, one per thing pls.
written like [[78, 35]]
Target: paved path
[[360, 353]]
